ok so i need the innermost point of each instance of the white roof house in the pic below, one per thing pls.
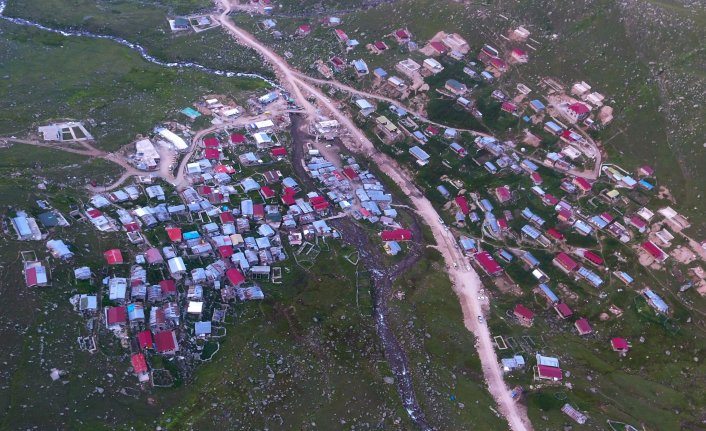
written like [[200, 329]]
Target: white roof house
[[176, 265], [173, 138]]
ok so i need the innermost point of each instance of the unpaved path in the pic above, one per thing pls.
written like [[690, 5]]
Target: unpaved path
[[466, 282]]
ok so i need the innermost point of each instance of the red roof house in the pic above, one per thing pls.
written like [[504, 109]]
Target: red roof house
[[488, 263], [550, 200], [113, 257], [144, 338], [462, 204], [168, 287], [237, 138], [210, 142], [225, 251], [579, 111], [235, 277], [212, 154], [396, 235], [508, 107], [402, 35], [593, 257], [304, 30], [499, 64], [503, 194], [654, 251], [278, 152], [620, 345], [524, 315], [115, 316], [380, 45], [226, 217], [519, 55], [174, 234], [350, 173], [583, 326], [138, 363], [536, 178], [555, 234], [563, 310], [266, 192], [432, 131], [166, 342], [565, 262], [582, 184], [438, 47], [342, 36], [546, 372]]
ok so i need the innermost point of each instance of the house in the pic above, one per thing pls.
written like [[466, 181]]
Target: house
[[115, 317], [455, 87], [657, 253], [421, 155], [303, 30], [402, 36], [459, 150], [166, 342], [438, 48], [519, 55], [508, 107], [392, 248], [432, 65], [144, 339], [341, 35], [59, 249], [235, 278], [366, 108], [113, 257], [498, 64], [554, 128], [582, 184], [35, 274], [563, 310], [462, 204], [488, 264], [583, 326], [380, 73], [620, 345], [578, 111], [655, 301], [455, 42], [396, 235], [510, 364], [176, 267], [503, 194], [139, 366], [548, 294], [524, 315], [361, 67], [537, 106]]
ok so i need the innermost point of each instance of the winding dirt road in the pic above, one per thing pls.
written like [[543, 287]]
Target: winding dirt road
[[466, 282]]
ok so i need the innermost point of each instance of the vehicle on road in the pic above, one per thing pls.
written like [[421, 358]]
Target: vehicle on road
[[480, 319]]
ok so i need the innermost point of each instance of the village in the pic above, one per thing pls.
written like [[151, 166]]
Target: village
[[548, 188], [234, 225], [223, 200]]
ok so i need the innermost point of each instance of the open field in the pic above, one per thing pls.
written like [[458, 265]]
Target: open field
[[147, 25], [103, 81]]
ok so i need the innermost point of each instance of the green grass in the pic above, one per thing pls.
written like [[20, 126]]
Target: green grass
[[146, 24], [103, 81]]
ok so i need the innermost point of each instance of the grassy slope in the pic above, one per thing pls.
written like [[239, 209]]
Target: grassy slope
[[93, 79], [145, 23]]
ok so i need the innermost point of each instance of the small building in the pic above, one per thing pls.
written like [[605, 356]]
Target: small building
[[563, 310], [620, 345], [524, 315], [583, 326], [488, 263], [421, 155], [456, 87], [166, 342]]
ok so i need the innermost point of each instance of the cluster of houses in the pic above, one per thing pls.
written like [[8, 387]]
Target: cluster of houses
[[357, 191]]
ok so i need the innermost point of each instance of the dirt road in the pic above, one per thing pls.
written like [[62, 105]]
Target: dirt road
[[466, 282]]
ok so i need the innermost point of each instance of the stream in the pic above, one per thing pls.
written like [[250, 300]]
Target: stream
[[135, 47]]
